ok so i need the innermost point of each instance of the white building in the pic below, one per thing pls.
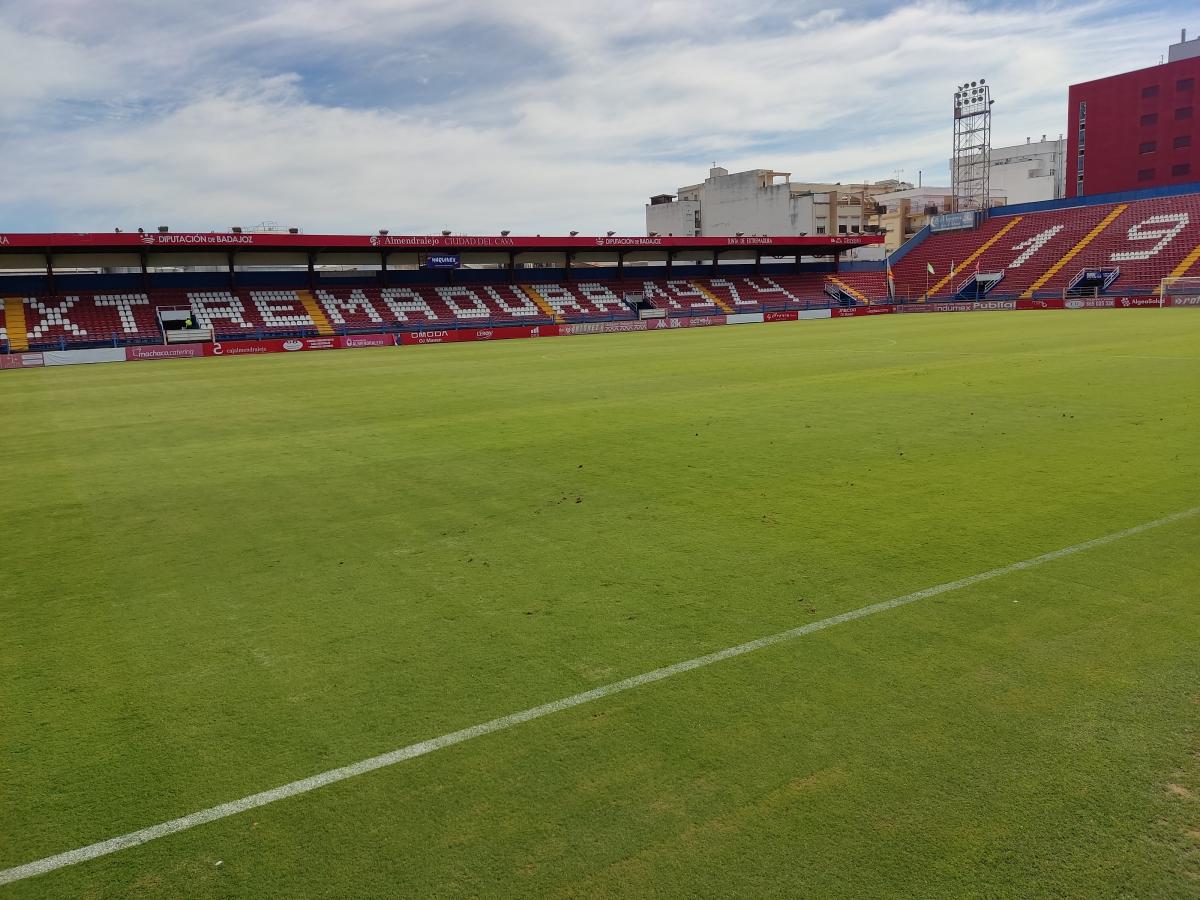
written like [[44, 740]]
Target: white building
[[1185, 49], [763, 201], [1029, 172]]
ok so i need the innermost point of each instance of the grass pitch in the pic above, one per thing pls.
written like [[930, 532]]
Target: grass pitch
[[218, 576]]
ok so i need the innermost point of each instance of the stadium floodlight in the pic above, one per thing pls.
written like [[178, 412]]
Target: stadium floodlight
[[970, 167]]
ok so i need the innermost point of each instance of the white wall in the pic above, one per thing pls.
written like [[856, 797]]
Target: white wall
[[757, 202], [676, 218], [1028, 173]]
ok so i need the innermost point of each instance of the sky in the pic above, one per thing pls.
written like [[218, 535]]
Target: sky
[[538, 116]]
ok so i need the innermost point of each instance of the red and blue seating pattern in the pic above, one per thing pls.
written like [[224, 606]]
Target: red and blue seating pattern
[[75, 320], [1040, 253]]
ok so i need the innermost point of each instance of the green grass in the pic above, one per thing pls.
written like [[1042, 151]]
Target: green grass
[[217, 576]]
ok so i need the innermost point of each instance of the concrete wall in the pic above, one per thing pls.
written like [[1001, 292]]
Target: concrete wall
[[672, 219], [1029, 173], [761, 201]]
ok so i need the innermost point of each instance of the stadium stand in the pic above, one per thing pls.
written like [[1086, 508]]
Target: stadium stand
[[81, 320], [1123, 248], [1039, 254]]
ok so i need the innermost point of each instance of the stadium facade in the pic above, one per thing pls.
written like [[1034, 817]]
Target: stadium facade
[[1135, 130]]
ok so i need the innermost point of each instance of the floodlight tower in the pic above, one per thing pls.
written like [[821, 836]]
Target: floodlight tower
[[970, 167]]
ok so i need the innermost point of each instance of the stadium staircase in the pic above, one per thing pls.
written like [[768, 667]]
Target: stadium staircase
[[313, 308], [720, 304], [532, 293], [971, 258], [843, 285], [1186, 263], [14, 322]]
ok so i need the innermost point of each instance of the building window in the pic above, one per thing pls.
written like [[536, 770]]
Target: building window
[[1183, 85], [1082, 111], [1147, 147], [1079, 164], [1184, 140], [1079, 186], [696, 219], [841, 229], [1150, 119], [820, 229], [1184, 112], [1150, 90], [1146, 175], [1180, 169]]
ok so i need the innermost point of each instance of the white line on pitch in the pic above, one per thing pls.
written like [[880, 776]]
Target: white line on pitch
[[304, 785]]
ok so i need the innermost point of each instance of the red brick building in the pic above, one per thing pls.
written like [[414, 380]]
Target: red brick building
[[1136, 130]]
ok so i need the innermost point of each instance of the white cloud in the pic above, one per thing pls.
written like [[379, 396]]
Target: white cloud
[[199, 118]]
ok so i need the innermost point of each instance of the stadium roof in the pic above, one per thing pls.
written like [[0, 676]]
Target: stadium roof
[[127, 242]]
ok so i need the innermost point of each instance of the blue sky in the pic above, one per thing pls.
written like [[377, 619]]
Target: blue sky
[[539, 116]]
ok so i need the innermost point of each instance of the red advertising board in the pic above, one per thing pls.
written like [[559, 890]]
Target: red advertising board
[[843, 312], [429, 336], [499, 333], [508, 332], [277, 345], [786, 315], [1138, 302], [354, 341], [1039, 304], [21, 361]]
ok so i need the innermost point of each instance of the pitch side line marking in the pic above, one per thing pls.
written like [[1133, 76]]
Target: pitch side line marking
[[304, 785]]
